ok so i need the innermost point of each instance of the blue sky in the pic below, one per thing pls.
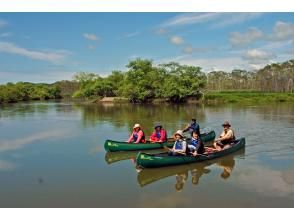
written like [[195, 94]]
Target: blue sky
[[46, 47]]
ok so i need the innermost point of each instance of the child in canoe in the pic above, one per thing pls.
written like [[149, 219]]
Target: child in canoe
[[137, 135], [196, 145], [180, 146]]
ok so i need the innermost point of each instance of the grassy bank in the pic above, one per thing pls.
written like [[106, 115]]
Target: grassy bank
[[247, 97]]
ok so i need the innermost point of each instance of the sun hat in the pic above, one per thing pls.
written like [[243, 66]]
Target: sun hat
[[157, 125], [226, 123], [137, 126], [179, 132]]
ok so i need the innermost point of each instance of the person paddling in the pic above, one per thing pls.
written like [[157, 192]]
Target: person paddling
[[137, 135], [159, 135], [180, 146], [226, 137], [193, 126], [196, 145]]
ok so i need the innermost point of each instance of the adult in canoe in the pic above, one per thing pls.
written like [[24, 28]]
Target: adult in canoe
[[193, 126], [180, 145], [195, 144], [226, 137], [159, 135], [137, 135]]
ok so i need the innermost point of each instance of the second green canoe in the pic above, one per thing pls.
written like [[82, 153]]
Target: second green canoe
[[113, 146], [160, 160]]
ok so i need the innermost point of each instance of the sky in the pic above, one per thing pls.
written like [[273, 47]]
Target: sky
[[47, 47]]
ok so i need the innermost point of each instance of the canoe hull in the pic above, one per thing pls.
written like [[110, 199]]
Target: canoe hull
[[114, 146], [152, 161]]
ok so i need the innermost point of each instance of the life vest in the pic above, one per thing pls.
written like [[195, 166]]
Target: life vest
[[135, 136], [158, 134], [194, 142], [194, 127], [178, 145]]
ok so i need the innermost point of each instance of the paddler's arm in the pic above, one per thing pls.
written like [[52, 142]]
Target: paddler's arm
[[228, 135], [163, 136], [131, 138], [186, 128]]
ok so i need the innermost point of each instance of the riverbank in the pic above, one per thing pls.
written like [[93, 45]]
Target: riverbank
[[246, 97], [218, 97], [211, 97]]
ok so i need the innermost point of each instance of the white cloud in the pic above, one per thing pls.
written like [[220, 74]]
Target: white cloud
[[245, 38], [216, 20], [191, 18], [235, 18], [161, 31], [190, 49], [92, 47], [6, 165], [177, 40], [92, 37], [209, 64], [282, 31], [257, 56], [6, 34], [15, 144], [3, 23], [53, 57], [133, 34]]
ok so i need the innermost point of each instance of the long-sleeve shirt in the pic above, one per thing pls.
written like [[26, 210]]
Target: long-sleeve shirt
[[140, 138], [193, 127], [180, 145], [162, 138]]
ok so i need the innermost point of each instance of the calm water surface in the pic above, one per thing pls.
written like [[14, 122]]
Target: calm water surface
[[52, 155]]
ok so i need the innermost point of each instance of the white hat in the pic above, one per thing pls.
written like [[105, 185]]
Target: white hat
[[179, 132], [137, 126]]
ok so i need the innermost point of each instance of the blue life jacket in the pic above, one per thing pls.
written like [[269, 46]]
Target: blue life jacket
[[135, 136], [178, 145], [158, 134], [194, 142], [194, 127]]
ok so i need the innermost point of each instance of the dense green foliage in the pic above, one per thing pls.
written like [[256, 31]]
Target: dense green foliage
[[22, 91], [67, 88], [143, 81]]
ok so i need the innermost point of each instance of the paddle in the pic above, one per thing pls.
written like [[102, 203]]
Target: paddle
[[167, 148]]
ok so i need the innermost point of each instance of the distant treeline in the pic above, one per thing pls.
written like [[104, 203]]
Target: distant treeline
[[143, 81], [277, 77], [24, 91]]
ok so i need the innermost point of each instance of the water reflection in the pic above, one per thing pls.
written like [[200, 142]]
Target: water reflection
[[120, 115], [112, 157], [197, 170], [18, 143]]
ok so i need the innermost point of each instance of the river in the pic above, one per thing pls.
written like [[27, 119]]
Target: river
[[52, 155]]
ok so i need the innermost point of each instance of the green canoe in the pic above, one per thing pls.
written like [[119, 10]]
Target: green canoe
[[113, 146], [159, 160]]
